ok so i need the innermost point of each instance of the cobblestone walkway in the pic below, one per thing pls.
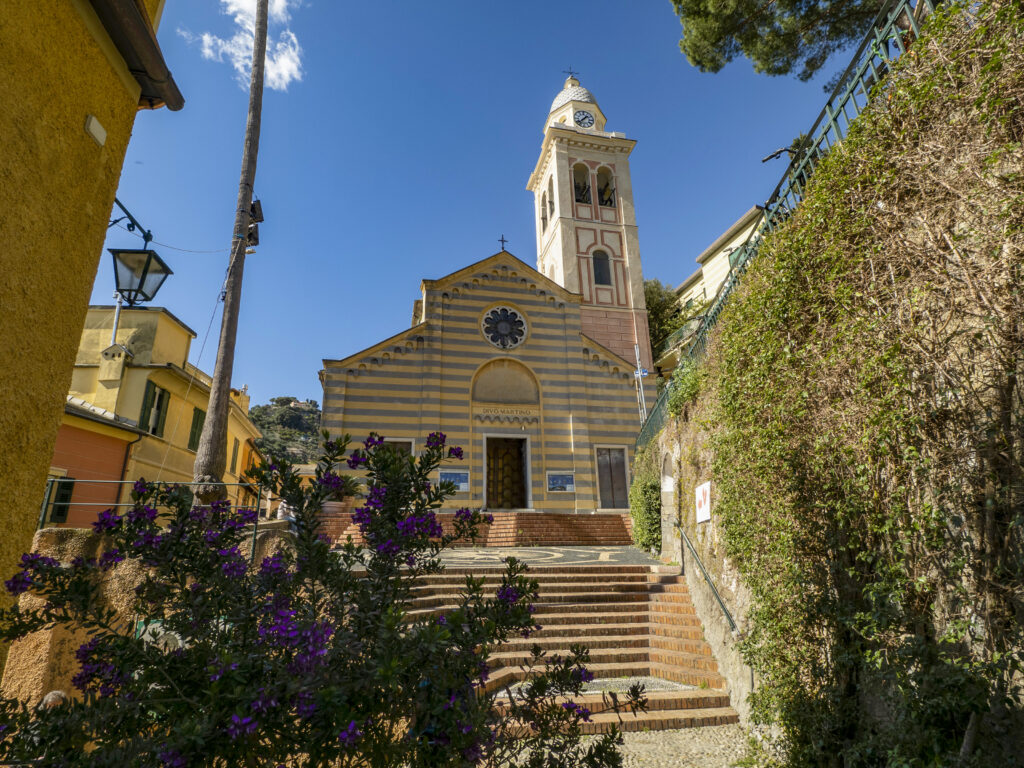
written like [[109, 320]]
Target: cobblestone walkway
[[716, 747]]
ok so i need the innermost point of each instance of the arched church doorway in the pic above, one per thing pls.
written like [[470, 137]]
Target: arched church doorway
[[508, 388]]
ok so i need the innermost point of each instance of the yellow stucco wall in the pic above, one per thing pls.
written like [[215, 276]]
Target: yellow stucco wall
[[57, 188]]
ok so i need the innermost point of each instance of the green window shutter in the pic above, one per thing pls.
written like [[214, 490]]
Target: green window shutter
[[198, 419], [163, 401], [62, 500], [234, 456], [147, 406]]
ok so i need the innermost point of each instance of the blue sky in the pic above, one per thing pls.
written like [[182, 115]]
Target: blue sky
[[397, 145]]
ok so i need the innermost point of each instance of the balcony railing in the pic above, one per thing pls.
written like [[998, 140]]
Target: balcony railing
[[898, 23]]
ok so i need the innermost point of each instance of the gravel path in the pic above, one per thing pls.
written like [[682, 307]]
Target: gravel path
[[716, 747]]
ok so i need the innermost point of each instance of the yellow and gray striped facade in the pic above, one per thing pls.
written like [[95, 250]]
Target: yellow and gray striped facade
[[565, 395]]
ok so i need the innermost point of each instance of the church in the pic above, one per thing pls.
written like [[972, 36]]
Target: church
[[530, 370]]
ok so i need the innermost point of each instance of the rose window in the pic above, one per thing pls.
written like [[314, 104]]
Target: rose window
[[504, 327]]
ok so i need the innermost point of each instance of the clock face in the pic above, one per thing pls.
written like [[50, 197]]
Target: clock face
[[583, 118]]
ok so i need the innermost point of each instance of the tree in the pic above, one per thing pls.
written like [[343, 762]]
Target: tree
[[663, 312], [777, 37], [307, 658], [290, 428]]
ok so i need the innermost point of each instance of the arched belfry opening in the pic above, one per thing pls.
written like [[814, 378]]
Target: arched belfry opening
[[605, 187], [581, 182]]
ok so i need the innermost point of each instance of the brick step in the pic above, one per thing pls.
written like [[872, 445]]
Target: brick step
[[546, 601], [699, 678], [619, 606], [661, 720], [597, 617], [553, 588], [579, 630], [561, 645], [448, 577], [666, 608], [502, 677], [518, 658], [690, 645], [657, 701], [692, 631], [675, 598], [681, 660], [540, 570]]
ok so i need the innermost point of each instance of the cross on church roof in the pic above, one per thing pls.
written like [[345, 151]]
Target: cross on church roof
[[502, 240], [570, 71]]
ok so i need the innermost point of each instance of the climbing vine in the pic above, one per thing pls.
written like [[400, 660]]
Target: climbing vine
[[645, 500], [869, 422]]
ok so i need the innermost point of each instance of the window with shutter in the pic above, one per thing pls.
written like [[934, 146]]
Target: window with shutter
[[198, 419], [65, 488], [234, 456]]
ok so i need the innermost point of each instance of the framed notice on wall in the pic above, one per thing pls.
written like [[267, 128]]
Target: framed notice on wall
[[703, 502], [561, 482], [459, 479]]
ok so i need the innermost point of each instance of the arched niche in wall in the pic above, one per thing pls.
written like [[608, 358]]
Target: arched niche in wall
[[505, 381]]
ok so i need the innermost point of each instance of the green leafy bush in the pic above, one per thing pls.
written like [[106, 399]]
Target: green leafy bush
[[645, 501], [867, 419]]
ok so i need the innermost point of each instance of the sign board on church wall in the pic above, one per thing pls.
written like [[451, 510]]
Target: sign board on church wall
[[459, 479], [559, 482], [703, 501]]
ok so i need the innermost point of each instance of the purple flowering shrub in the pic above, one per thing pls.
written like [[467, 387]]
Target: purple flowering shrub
[[308, 657]]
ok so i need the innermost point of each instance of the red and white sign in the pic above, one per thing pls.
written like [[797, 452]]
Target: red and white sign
[[704, 502]]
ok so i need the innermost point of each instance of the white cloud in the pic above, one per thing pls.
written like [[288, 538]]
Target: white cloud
[[284, 54]]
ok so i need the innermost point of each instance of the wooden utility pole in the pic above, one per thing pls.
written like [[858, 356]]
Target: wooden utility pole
[[211, 458]]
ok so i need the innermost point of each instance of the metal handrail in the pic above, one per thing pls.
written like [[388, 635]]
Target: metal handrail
[[50, 500], [707, 578], [897, 23]]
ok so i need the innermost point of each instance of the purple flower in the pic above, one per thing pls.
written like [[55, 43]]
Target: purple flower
[[33, 560], [263, 702], [436, 440], [140, 486], [388, 549], [583, 674], [350, 735], [583, 712], [356, 460], [375, 498], [108, 521], [373, 440], [18, 583], [465, 514], [304, 705], [272, 566], [247, 516], [488, 519], [241, 726], [171, 758], [508, 594], [234, 566], [332, 483], [219, 671], [442, 619], [451, 702], [110, 558], [138, 514], [455, 452], [312, 648]]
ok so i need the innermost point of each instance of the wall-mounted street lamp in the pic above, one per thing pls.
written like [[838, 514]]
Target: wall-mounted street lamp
[[138, 272]]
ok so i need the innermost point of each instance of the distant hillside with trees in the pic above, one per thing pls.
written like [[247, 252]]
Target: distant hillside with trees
[[290, 428]]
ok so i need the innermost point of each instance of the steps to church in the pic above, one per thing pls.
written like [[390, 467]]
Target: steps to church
[[515, 529], [637, 620]]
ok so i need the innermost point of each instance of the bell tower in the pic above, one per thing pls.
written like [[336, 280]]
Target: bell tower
[[586, 224]]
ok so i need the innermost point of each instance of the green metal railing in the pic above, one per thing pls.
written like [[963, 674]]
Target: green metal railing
[[707, 578], [898, 23], [686, 329]]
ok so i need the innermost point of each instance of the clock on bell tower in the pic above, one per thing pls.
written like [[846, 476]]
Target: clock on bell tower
[[586, 224]]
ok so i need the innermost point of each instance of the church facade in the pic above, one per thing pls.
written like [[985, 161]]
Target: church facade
[[531, 371]]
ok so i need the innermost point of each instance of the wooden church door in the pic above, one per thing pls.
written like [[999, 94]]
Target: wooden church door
[[506, 473]]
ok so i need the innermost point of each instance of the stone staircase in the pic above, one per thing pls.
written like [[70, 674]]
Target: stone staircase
[[515, 529], [637, 621]]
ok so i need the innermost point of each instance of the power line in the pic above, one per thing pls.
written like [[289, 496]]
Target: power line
[[165, 245]]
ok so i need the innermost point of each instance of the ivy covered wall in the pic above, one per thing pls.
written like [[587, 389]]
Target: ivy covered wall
[[864, 415]]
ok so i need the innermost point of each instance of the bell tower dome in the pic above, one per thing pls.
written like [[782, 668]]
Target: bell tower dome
[[586, 224]]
